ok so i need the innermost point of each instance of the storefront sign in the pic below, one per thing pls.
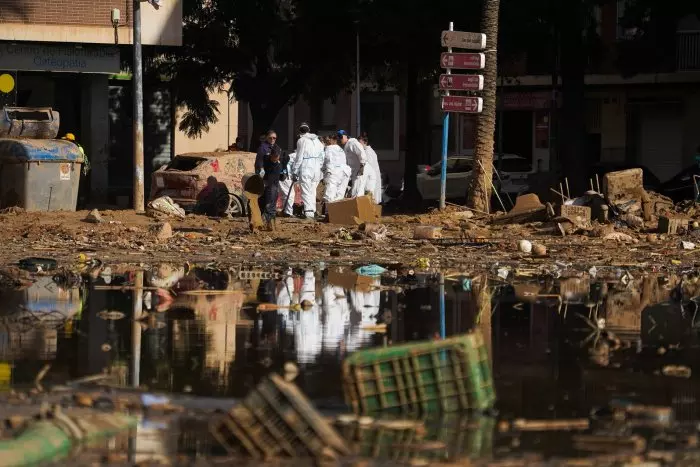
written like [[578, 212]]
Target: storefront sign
[[525, 100], [68, 58]]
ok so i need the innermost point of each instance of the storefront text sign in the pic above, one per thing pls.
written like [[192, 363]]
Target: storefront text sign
[[76, 59]]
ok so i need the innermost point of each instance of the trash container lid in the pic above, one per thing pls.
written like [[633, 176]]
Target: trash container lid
[[15, 150]]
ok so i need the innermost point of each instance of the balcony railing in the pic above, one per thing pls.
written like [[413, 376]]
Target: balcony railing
[[688, 51]]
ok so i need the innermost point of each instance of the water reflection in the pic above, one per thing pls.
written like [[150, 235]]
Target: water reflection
[[559, 346]]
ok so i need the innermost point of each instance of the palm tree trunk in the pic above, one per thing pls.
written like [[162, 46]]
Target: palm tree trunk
[[480, 188]]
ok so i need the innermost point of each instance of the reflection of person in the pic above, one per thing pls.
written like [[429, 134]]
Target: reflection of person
[[336, 315], [306, 334], [366, 304]]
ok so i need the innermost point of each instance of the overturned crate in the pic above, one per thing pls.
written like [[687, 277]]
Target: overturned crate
[[276, 419], [438, 376]]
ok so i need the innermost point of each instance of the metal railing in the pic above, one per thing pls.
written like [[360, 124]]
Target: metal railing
[[688, 50]]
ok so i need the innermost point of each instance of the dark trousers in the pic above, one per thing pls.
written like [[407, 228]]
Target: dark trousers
[[272, 188]]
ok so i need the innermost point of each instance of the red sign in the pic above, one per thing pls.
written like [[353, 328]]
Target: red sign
[[463, 61], [471, 105], [462, 82]]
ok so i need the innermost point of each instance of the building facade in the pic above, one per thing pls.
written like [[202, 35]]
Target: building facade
[[62, 54]]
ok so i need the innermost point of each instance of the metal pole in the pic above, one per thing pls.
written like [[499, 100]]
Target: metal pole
[[357, 77], [442, 302], [137, 308], [138, 111], [445, 138]]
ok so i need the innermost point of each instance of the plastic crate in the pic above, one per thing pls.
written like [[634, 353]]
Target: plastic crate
[[277, 419], [439, 376]]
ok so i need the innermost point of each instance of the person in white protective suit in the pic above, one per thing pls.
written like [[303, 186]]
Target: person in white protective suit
[[373, 161], [286, 191], [336, 171], [362, 175], [307, 168]]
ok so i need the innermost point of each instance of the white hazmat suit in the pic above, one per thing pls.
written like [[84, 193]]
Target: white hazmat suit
[[307, 166], [286, 185], [373, 161], [356, 159], [336, 173]]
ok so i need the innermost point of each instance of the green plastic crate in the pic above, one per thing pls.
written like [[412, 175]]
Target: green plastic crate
[[449, 375], [276, 419]]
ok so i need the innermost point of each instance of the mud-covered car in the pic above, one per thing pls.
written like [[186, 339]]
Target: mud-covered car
[[186, 176]]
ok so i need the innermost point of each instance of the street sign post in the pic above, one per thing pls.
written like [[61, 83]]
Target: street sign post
[[462, 104], [464, 40], [449, 82], [463, 61], [461, 82]]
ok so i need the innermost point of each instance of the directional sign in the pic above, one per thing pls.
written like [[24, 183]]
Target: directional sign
[[464, 40], [463, 61], [470, 105], [462, 82]]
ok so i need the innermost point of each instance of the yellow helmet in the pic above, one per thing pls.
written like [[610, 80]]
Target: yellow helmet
[[69, 137]]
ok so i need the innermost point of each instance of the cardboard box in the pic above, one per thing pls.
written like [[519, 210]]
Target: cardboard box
[[624, 185], [349, 279], [353, 211]]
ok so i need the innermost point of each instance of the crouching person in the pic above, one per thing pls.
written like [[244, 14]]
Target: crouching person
[[273, 166]]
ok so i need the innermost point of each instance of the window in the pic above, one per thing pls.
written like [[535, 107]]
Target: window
[[328, 114], [377, 119], [460, 166]]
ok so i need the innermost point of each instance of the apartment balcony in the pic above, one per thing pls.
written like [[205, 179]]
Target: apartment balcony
[[688, 51]]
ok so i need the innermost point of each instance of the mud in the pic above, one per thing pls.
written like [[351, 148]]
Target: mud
[[467, 244]]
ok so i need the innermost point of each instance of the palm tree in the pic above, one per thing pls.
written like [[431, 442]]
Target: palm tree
[[480, 189]]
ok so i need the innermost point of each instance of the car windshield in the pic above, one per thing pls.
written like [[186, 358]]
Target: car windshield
[[185, 163], [454, 165]]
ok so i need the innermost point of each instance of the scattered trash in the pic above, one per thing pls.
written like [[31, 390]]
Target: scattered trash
[[673, 225], [94, 217], [609, 443], [376, 232], [162, 232], [528, 208], [38, 264], [525, 246], [539, 250], [687, 245], [370, 270], [633, 221], [676, 371], [467, 285], [164, 206], [503, 273], [453, 374], [619, 237], [423, 263], [551, 425], [427, 232]]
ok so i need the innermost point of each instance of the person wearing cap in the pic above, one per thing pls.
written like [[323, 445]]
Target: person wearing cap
[[373, 161], [307, 167], [86, 162], [362, 175], [336, 171]]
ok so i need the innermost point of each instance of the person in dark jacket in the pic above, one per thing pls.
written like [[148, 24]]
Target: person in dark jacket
[[264, 149], [274, 167]]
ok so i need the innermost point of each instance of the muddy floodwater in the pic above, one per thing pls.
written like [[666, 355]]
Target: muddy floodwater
[[562, 346]]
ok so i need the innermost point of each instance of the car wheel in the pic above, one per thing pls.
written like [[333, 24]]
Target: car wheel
[[235, 208]]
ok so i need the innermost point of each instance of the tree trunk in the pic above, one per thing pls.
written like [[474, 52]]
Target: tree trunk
[[479, 193], [573, 112], [263, 117]]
